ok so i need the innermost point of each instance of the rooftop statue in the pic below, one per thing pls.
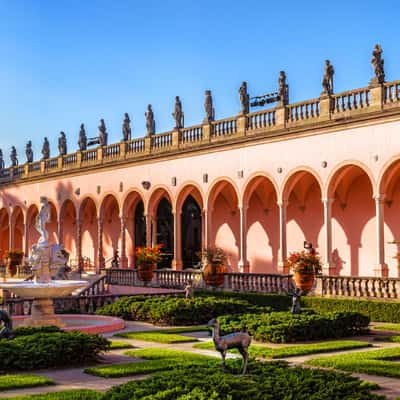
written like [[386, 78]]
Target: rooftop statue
[[45, 149], [150, 123], [377, 63], [29, 152], [283, 89], [208, 107], [82, 143], [244, 98], [178, 114], [103, 135], [13, 156], [1, 160], [62, 144], [327, 80], [126, 128]]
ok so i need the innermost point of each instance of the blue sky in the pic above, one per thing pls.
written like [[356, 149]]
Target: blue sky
[[70, 61]]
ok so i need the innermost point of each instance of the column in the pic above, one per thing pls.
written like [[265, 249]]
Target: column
[[11, 224], [282, 267], [177, 261], [328, 267], [153, 231], [25, 240], [381, 268], [203, 229], [148, 230], [60, 231], [79, 243], [124, 260], [100, 258], [243, 263]]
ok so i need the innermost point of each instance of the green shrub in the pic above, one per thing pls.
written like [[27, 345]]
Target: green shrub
[[76, 394], [283, 327], [380, 311], [264, 381], [47, 350], [30, 330], [173, 310]]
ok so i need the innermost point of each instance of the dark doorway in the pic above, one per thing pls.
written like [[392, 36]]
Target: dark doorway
[[140, 225], [191, 232], [165, 232]]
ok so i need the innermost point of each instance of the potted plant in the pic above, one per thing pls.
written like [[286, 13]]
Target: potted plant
[[214, 266], [146, 261], [13, 259], [305, 265]]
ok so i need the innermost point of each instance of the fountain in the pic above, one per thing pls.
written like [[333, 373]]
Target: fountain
[[45, 259]]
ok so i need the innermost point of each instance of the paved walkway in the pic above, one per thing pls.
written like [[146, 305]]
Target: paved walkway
[[75, 378]]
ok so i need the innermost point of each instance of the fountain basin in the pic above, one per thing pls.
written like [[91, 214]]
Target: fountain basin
[[42, 290]]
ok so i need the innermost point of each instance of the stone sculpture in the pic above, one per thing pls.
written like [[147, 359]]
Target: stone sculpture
[[238, 340], [6, 325], [42, 219], [13, 156], [150, 123], [45, 149], [208, 106], [82, 143], [29, 152], [189, 289], [377, 63], [327, 80], [62, 144], [103, 135], [283, 89], [178, 114], [244, 98], [126, 128], [1, 160], [296, 296]]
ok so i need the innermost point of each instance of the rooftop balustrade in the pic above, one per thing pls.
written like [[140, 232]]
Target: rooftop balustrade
[[328, 109]]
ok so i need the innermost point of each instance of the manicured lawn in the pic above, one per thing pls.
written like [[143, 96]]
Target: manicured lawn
[[79, 394], [296, 350], [394, 339], [390, 327], [158, 336], [118, 344], [158, 354], [22, 381], [379, 362]]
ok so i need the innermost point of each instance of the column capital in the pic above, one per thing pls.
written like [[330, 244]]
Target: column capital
[[283, 203], [327, 200], [379, 198]]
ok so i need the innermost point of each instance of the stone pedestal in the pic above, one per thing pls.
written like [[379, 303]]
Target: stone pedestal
[[42, 314]]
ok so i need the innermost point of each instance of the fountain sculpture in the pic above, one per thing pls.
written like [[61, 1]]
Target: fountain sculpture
[[45, 260]]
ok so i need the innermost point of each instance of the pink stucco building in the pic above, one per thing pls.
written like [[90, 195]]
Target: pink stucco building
[[325, 170]]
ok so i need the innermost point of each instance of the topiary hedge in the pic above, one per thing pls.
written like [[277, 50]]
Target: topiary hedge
[[48, 350], [31, 330], [283, 327], [173, 310]]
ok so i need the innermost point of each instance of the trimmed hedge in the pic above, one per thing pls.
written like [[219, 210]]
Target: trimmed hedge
[[48, 350], [173, 310], [31, 330], [283, 327], [380, 311], [264, 381]]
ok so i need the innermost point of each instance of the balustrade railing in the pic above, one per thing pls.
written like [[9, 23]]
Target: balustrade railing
[[346, 104], [303, 111], [161, 141], [391, 92], [261, 120], [192, 134], [224, 127], [353, 100], [97, 287]]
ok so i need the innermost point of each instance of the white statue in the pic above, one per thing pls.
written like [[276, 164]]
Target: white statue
[[42, 219]]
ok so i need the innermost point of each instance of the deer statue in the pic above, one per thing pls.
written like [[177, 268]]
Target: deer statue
[[237, 340]]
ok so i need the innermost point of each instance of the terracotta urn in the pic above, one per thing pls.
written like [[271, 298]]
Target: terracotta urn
[[146, 272], [213, 274], [304, 280]]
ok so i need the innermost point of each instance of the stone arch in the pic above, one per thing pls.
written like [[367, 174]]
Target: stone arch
[[155, 196], [52, 225], [4, 232], [350, 190], [261, 224], [89, 227], [17, 219], [68, 231], [32, 233], [302, 194], [223, 220]]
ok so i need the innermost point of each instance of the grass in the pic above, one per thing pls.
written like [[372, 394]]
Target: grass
[[77, 394], [394, 339], [378, 362], [389, 327], [8, 382], [156, 360], [296, 350], [119, 344], [158, 336]]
